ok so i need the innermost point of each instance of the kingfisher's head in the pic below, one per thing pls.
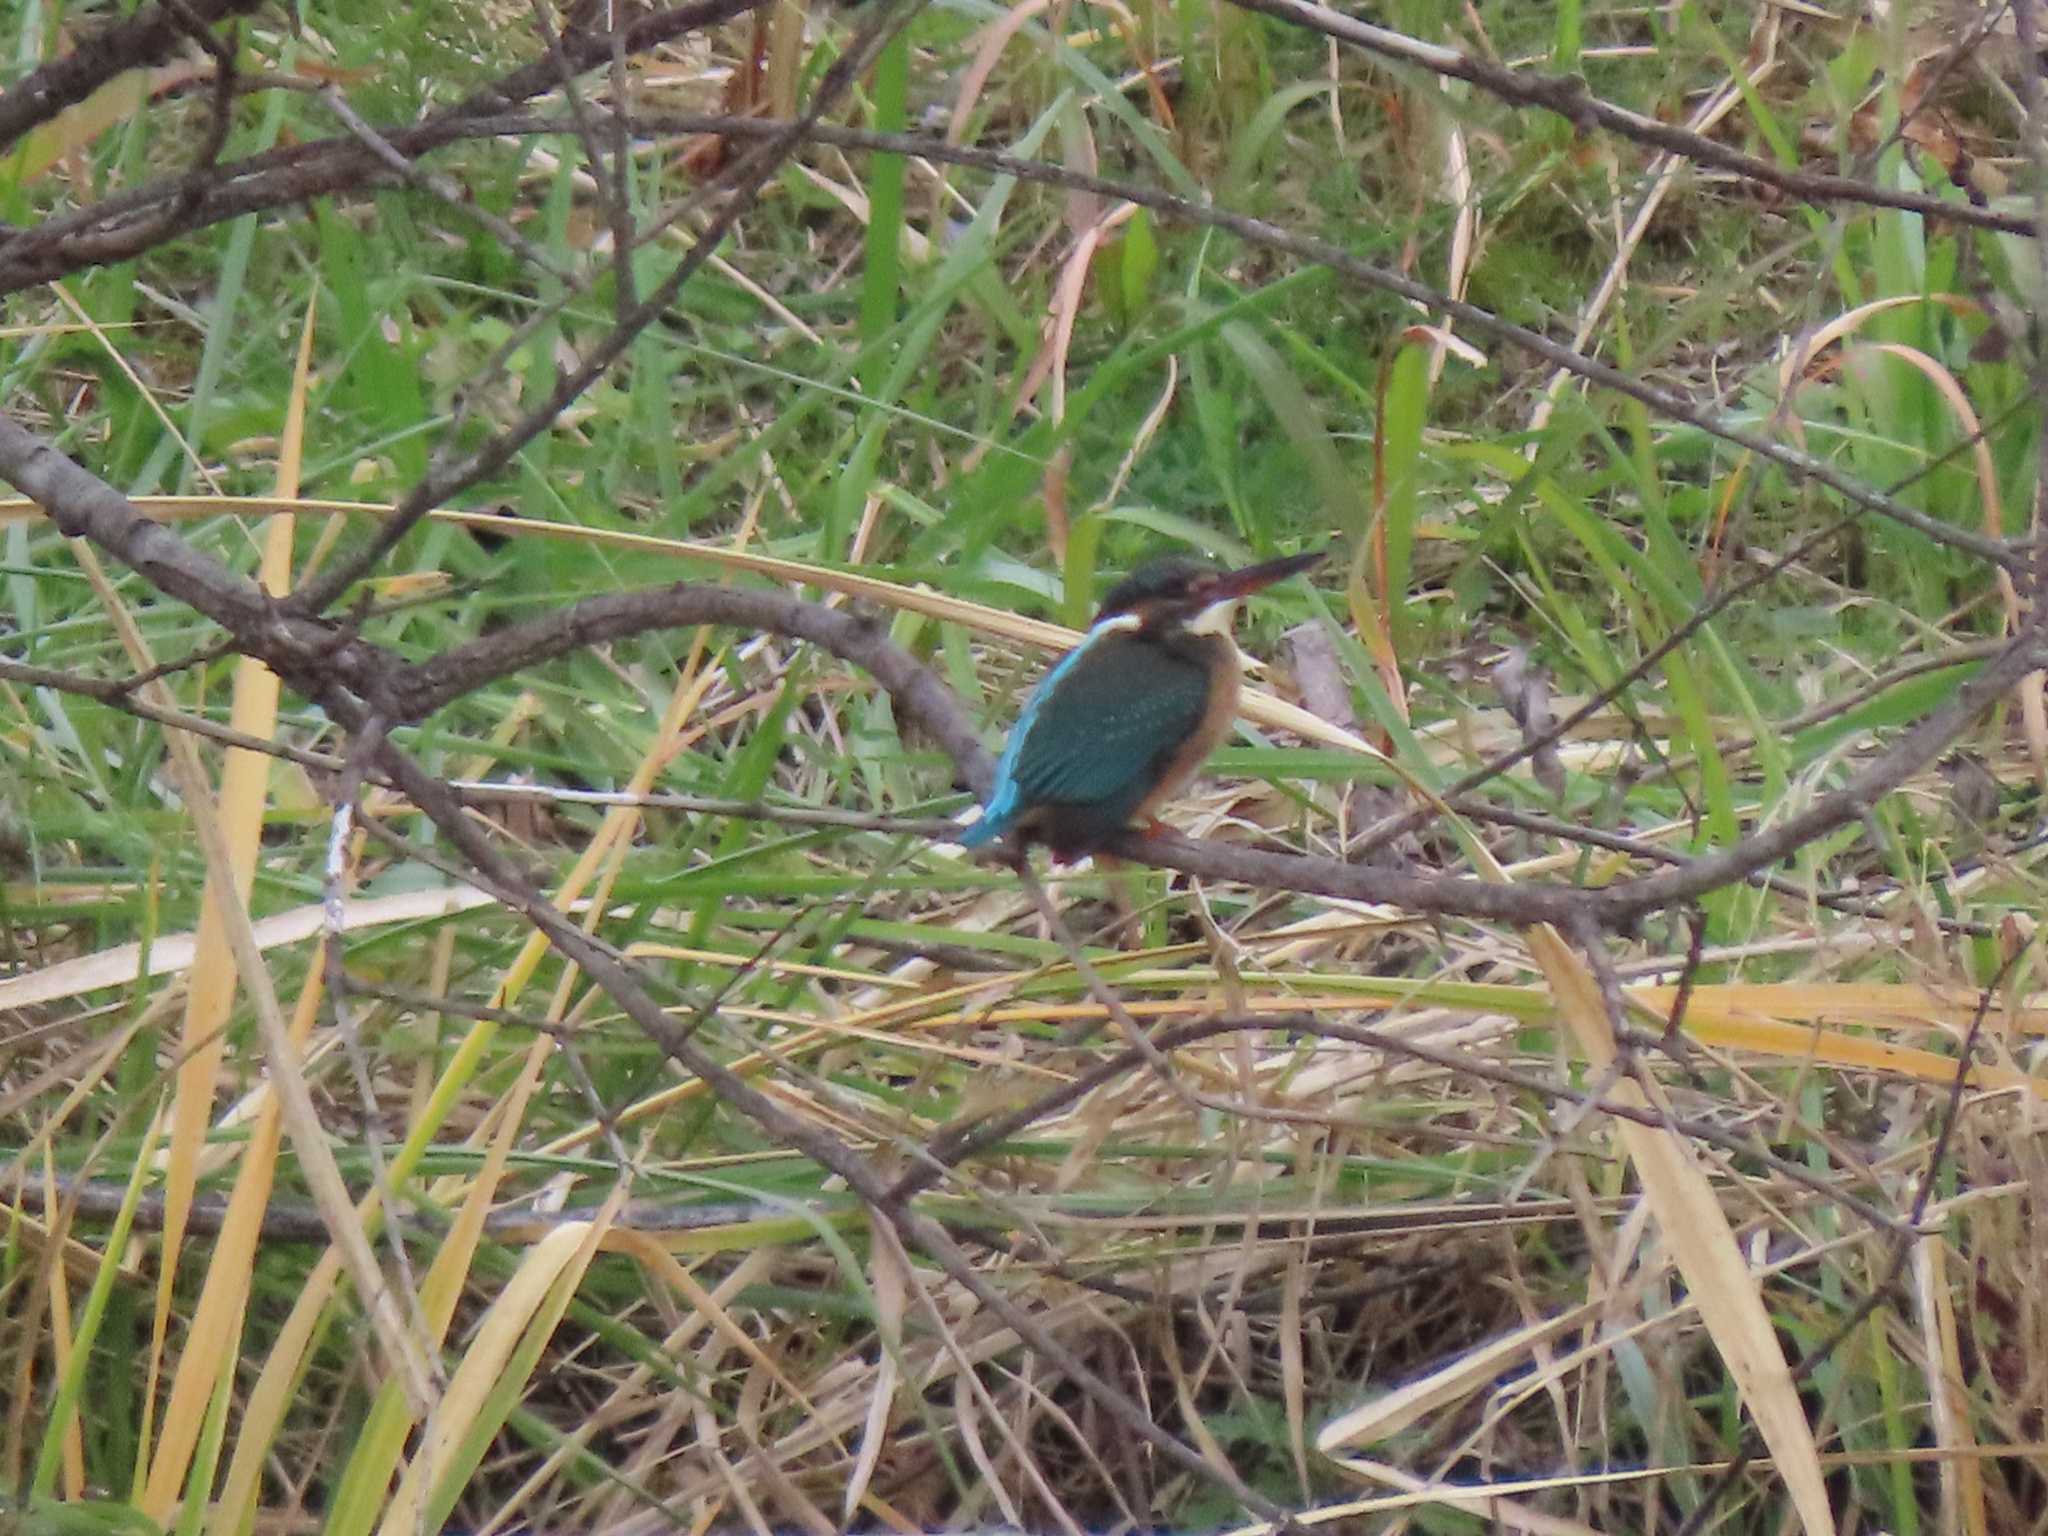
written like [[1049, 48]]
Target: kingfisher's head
[[1180, 592]]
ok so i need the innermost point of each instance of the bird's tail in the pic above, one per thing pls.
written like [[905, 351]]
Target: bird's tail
[[996, 819]]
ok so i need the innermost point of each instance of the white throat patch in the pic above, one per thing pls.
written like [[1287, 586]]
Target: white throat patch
[[1216, 619]]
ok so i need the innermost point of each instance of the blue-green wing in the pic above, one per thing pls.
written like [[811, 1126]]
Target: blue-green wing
[[1102, 729]]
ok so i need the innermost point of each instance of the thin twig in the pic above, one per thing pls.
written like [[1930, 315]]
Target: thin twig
[[1887, 1285], [439, 187], [1716, 603], [1569, 97], [362, 751], [146, 37], [115, 693], [740, 188], [249, 193], [917, 1231], [611, 184], [317, 657], [968, 1139]]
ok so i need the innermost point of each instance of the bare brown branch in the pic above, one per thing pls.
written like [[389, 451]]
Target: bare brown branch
[[738, 188], [318, 658], [1569, 97], [147, 37], [333, 166]]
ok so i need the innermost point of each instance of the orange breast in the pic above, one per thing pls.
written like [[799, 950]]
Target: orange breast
[[1218, 715]]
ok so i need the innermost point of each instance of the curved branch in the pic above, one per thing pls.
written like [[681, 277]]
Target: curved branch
[[147, 37], [622, 983], [1620, 906], [738, 188], [318, 659], [151, 33], [1568, 97], [413, 693], [418, 691], [321, 659], [588, 48], [305, 652], [336, 166], [111, 230], [1914, 752]]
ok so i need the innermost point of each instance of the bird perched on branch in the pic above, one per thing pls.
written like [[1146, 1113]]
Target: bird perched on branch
[[1127, 717]]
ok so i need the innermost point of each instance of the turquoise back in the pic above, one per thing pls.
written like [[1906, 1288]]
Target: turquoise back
[[1098, 733]]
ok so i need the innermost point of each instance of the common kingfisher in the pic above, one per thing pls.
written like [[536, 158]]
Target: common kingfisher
[[1124, 719]]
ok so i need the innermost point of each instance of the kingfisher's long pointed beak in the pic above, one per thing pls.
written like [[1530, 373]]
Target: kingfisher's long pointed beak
[[1241, 583]]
